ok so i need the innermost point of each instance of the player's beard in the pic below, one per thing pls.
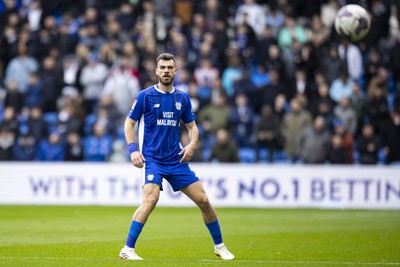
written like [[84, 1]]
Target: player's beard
[[166, 82]]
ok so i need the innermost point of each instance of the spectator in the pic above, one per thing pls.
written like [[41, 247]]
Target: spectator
[[92, 78], [65, 41], [51, 149], [280, 107], [34, 14], [390, 138], [25, 148], [379, 29], [341, 87], [44, 42], [332, 65], [372, 64], [33, 96], [126, 17], [51, 78], [122, 86], [368, 145], [337, 153], [300, 85], [291, 32], [10, 7], [274, 20], [380, 79], [20, 67], [345, 112], [7, 140], [14, 98], [292, 125], [255, 16], [241, 119], [37, 126], [347, 139], [10, 120], [313, 142], [231, 74], [269, 92], [224, 150], [268, 133], [68, 120], [215, 115], [321, 102], [71, 72], [206, 74], [91, 37], [107, 54], [245, 39], [378, 109], [351, 54], [258, 76], [307, 62], [105, 114], [274, 61], [74, 147], [246, 86], [97, 147], [212, 12]]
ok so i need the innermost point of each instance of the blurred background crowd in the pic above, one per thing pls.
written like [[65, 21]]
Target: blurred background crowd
[[269, 80]]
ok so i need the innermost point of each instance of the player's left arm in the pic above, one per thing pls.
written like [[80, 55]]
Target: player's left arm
[[188, 150]]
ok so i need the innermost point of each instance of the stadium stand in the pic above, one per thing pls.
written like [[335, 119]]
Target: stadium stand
[[71, 57]]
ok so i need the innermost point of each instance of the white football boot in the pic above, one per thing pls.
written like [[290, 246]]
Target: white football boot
[[221, 251], [128, 254]]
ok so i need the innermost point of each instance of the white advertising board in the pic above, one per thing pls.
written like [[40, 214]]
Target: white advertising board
[[227, 185]]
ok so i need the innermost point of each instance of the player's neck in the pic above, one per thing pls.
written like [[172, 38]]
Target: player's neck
[[165, 88]]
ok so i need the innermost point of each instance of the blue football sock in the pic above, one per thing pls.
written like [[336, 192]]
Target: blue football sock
[[215, 231], [134, 232]]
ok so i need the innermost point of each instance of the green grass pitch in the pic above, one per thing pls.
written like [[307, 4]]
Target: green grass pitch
[[93, 236]]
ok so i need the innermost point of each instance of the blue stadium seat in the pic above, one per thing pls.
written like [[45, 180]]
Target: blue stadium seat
[[205, 154], [263, 154], [51, 120], [280, 156], [381, 156], [247, 154], [356, 156]]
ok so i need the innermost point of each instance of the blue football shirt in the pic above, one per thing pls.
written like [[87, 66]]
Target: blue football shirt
[[158, 115]]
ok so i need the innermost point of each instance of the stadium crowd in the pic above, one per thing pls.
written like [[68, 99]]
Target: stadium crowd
[[270, 81]]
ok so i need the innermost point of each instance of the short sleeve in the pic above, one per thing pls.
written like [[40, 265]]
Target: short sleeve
[[137, 108], [188, 114]]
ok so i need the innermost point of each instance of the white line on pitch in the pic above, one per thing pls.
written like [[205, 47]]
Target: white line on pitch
[[237, 260]]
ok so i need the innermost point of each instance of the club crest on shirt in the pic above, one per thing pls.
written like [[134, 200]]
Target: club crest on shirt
[[150, 177], [178, 105]]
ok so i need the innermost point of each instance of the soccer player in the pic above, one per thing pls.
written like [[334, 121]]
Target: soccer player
[[159, 109]]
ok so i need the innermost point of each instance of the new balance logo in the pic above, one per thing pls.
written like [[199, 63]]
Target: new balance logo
[[156, 106]]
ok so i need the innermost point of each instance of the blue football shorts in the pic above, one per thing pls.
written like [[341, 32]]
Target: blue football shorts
[[178, 175]]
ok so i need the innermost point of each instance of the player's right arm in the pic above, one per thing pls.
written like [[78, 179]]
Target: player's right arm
[[135, 113], [137, 158]]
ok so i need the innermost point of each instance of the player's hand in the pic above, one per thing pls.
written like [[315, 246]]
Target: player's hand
[[137, 159], [187, 152]]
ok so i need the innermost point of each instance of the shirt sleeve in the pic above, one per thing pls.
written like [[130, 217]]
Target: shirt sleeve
[[137, 108], [188, 114]]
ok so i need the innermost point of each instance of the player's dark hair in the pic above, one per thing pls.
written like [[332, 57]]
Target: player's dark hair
[[165, 56]]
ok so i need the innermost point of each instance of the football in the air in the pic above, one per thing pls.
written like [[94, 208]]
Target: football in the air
[[352, 22]]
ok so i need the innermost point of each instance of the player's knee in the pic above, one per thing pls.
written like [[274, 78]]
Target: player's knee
[[204, 202], [150, 201]]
